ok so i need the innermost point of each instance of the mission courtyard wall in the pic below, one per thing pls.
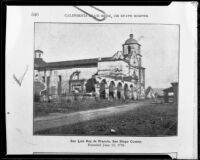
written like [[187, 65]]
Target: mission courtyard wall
[[64, 75]]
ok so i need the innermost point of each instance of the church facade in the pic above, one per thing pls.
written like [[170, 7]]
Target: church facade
[[120, 76]]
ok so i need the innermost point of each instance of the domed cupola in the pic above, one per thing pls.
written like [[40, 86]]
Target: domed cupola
[[131, 40], [131, 46]]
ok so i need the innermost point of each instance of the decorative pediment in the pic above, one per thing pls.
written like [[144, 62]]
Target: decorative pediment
[[75, 75], [118, 55]]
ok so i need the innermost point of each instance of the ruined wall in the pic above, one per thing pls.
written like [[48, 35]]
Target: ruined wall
[[63, 75]]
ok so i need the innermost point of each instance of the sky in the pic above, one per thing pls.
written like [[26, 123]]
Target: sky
[[159, 45]]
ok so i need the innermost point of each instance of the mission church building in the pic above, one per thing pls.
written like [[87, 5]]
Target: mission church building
[[118, 77]]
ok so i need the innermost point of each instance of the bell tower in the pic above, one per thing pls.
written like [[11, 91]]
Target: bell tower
[[38, 54], [131, 51]]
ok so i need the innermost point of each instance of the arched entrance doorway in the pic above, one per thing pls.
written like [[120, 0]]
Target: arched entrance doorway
[[119, 89], [111, 89], [126, 91], [103, 89]]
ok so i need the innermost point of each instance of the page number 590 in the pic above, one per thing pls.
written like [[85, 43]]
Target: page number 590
[[34, 14]]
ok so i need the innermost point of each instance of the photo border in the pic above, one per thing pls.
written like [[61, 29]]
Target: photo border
[[70, 135]]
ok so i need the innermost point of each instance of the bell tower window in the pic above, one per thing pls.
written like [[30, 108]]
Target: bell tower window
[[129, 49]]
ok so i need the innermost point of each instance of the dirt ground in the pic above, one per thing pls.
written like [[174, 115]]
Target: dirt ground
[[148, 119], [42, 109]]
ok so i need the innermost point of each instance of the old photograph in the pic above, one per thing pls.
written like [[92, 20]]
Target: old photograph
[[105, 79]]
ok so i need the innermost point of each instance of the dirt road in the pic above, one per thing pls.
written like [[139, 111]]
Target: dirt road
[[76, 117]]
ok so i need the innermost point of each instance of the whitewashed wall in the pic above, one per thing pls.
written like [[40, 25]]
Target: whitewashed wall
[[106, 68]]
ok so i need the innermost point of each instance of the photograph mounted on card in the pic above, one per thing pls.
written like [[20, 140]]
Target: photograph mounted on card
[[102, 80]]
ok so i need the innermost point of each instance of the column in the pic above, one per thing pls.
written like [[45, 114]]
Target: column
[[135, 95], [50, 82], [83, 87], [106, 91], [97, 91], [115, 92], [129, 94], [53, 85], [122, 94], [132, 93]]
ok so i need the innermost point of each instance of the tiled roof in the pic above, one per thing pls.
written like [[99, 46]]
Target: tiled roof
[[170, 89], [40, 64]]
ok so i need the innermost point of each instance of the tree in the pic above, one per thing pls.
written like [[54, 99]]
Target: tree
[[90, 85]]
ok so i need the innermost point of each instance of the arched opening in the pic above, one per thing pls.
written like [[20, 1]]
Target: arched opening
[[129, 49], [131, 86], [103, 89], [111, 89], [126, 91], [119, 88]]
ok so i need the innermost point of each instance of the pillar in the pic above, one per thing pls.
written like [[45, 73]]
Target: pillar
[[115, 92], [122, 94], [53, 86], [97, 91], [106, 91], [142, 93], [84, 88], [135, 95], [132, 93], [50, 83]]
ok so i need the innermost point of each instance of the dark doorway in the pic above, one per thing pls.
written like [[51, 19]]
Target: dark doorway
[[59, 85], [48, 82], [119, 89]]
